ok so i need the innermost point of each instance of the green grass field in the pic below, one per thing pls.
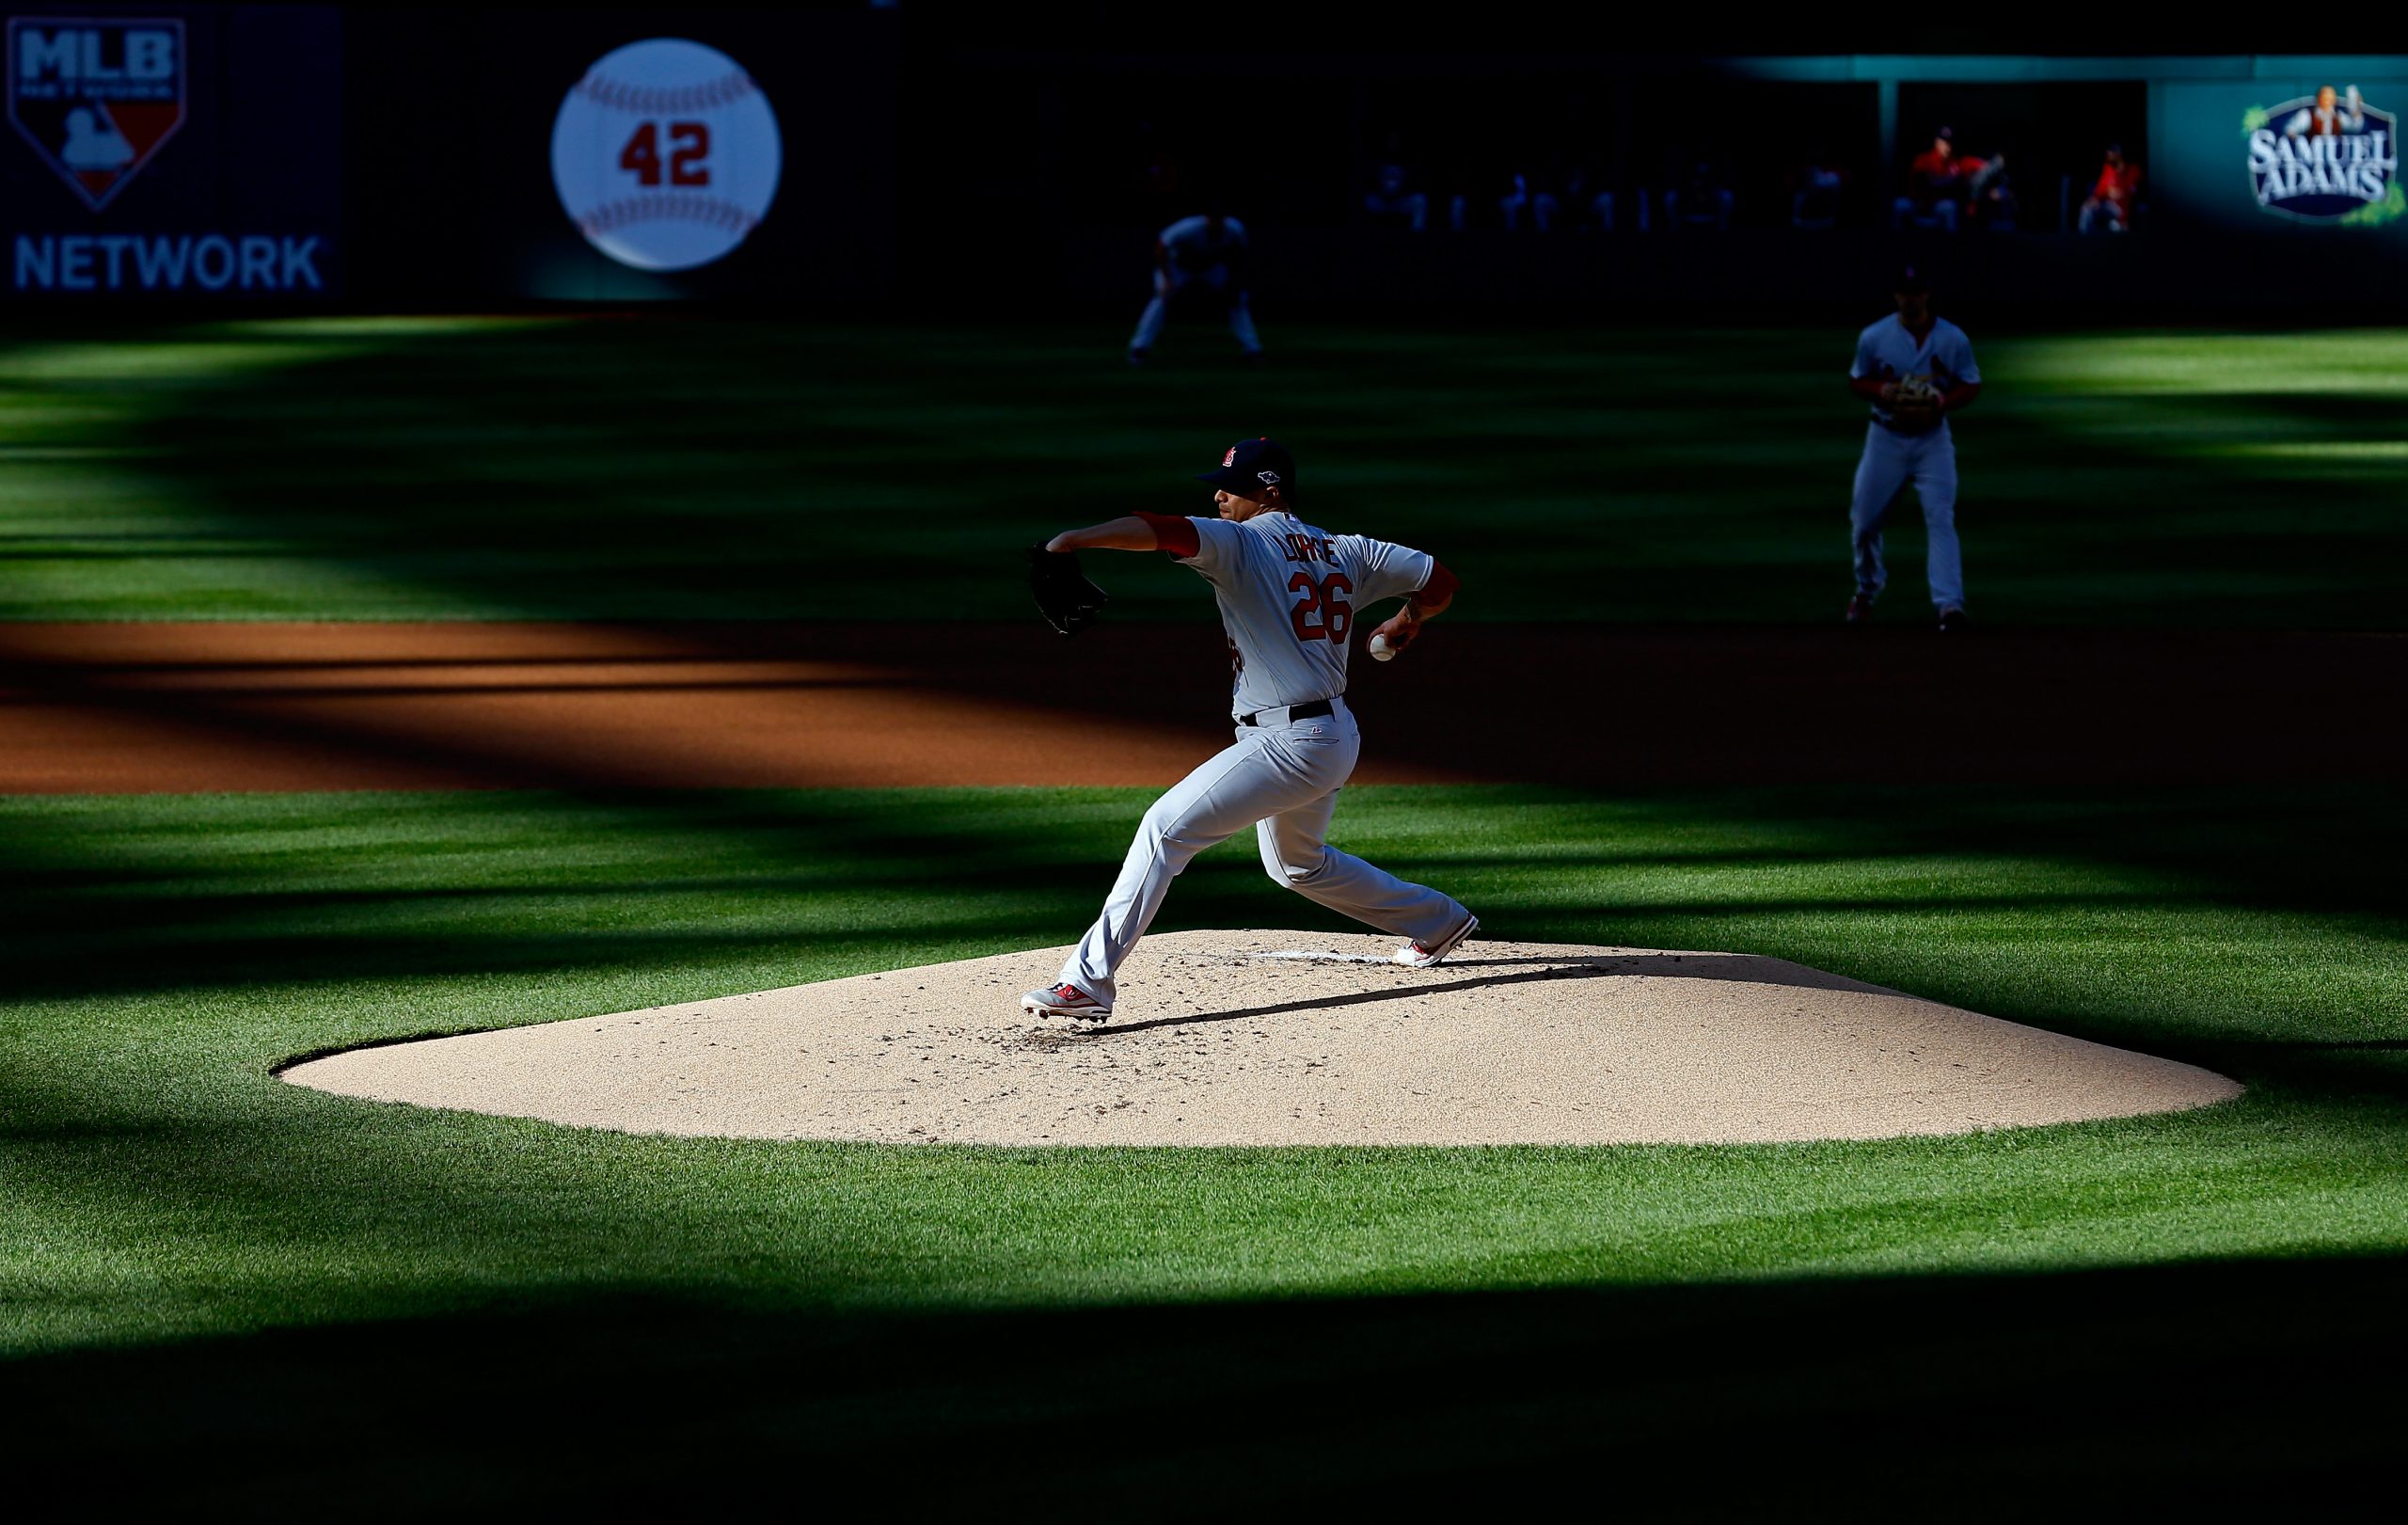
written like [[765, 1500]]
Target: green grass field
[[207, 1275], [163, 1189], [582, 468]]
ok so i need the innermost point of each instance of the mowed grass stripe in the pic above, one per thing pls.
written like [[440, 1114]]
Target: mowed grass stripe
[[685, 467]]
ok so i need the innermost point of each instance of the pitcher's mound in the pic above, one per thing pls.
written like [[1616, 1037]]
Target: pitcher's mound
[[1295, 1038]]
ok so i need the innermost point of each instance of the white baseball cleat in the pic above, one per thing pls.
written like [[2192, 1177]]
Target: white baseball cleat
[[1423, 955], [1065, 1001]]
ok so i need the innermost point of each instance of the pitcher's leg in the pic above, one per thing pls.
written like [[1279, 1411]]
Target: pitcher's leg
[[1936, 485], [1214, 802], [1296, 855]]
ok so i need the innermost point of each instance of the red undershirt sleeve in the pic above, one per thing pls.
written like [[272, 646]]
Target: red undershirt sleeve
[[1172, 534], [1441, 586]]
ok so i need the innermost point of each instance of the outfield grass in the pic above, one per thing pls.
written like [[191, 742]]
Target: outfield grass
[[644, 467]]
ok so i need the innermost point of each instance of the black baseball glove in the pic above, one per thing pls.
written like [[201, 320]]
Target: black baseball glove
[[1064, 595]]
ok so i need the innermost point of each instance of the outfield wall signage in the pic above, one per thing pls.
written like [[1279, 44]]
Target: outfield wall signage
[[2282, 159], [191, 153], [2329, 157], [96, 97]]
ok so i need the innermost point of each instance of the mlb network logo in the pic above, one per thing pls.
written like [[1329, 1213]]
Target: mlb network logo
[[96, 97]]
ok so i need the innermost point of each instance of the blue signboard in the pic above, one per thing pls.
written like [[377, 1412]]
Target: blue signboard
[[184, 151], [2284, 155]]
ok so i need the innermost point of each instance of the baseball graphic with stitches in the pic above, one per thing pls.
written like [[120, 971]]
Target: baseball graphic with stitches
[[665, 155]]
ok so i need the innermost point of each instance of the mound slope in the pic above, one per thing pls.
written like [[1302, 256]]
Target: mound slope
[[1295, 1038]]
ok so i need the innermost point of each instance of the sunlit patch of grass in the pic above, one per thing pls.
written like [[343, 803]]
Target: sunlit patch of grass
[[2314, 450], [2354, 362]]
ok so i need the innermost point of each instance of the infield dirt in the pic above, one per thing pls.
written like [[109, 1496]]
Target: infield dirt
[[1288, 1038], [172, 708]]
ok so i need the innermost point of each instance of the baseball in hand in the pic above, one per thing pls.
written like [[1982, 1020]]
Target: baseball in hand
[[1380, 649]]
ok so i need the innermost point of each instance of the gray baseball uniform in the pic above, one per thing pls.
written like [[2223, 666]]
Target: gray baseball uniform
[[1198, 251], [1287, 593], [1944, 357]]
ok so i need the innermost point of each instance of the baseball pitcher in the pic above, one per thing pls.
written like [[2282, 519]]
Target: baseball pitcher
[[1915, 370], [1287, 592]]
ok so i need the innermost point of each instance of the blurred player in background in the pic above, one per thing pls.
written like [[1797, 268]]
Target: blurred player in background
[[2110, 202], [1392, 197], [1915, 370], [1935, 186], [1198, 259], [1814, 193], [1990, 202], [1700, 201]]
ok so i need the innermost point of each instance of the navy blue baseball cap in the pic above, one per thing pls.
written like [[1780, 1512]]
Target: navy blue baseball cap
[[1251, 465]]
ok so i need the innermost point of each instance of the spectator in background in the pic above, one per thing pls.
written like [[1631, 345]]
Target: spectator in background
[[1815, 193], [1700, 201], [2111, 201], [1449, 187], [1568, 187], [1935, 187], [1601, 211], [1989, 194], [1582, 198], [1525, 200], [1392, 197], [1571, 181]]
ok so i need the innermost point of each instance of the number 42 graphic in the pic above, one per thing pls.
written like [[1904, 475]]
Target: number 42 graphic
[[689, 151]]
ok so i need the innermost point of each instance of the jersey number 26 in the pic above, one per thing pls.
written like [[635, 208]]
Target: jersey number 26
[[1325, 599]]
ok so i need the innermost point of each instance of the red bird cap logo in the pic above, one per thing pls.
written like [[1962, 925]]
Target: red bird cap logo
[[1231, 458]]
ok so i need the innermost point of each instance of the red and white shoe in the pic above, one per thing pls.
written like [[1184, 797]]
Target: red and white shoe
[[1860, 609], [1425, 955], [1065, 1001]]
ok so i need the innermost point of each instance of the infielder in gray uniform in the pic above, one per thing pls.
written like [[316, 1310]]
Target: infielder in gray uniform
[[1195, 256], [1915, 370], [1287, 592]]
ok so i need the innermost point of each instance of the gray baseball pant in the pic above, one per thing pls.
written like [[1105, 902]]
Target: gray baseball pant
[[1283, 781]]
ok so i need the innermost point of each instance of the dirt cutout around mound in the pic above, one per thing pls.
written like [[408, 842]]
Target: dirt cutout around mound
[[1283, 1037]]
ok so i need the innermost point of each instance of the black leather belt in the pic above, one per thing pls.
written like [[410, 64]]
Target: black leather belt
[[1307, 710]]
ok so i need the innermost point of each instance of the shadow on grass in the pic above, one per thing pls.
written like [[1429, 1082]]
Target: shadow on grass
[[2200, 1385]]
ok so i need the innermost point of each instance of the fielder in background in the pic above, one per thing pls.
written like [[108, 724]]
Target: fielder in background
[[1198, 259], [1287, 592], [1915, 370]]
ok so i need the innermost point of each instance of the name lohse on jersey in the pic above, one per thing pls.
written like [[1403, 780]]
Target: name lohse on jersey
[[1287, 592]]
